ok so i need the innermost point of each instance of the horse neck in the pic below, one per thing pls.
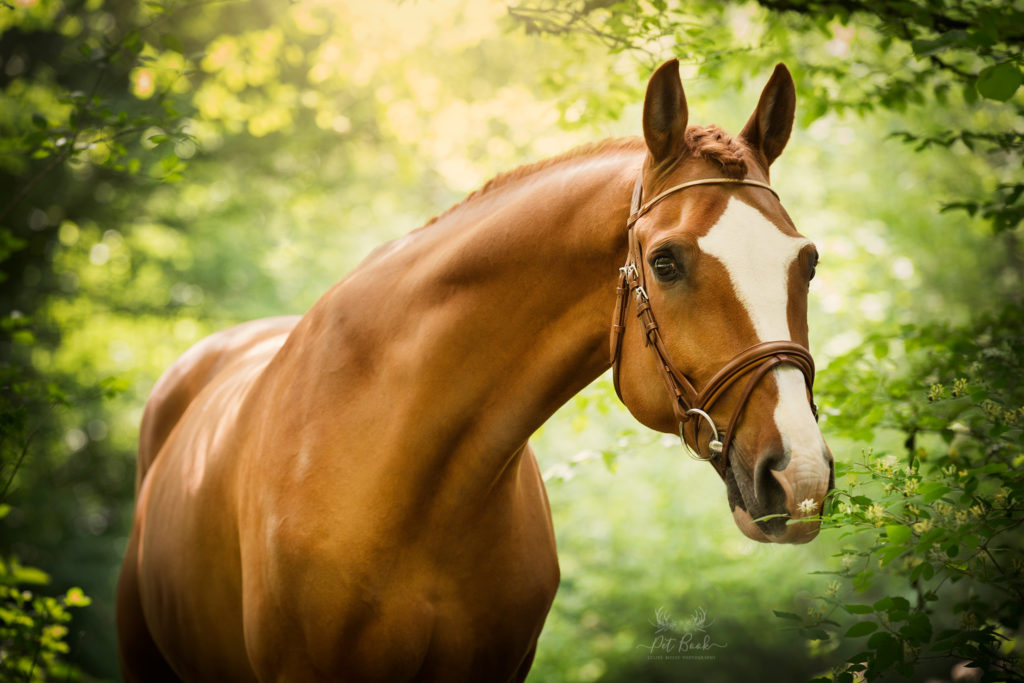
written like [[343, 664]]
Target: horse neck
[[481, 325]]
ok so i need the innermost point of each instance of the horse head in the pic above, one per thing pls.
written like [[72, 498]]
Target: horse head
[[718, 278]]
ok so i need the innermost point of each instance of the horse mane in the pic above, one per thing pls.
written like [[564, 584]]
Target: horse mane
[[710, 143]]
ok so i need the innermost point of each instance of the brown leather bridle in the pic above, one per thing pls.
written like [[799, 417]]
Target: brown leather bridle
[[688, 403]]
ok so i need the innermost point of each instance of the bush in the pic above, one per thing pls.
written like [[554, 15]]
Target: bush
[[33, 628], [934, 524]]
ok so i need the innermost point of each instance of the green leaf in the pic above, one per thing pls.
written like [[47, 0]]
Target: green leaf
[[132, 41], [858, 609], [933, 491], [918, 628], [863, 581], [924, 47], [816, 634], [30, 575], [918, 571], [172, 42], [861, 629], [169, 162], [786, 615], [898, 534], [887, 649], [890, 553], [1000, 81], [114, 386], [610, 460], [898, 604]]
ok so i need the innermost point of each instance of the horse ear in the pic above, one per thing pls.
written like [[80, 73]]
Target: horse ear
[[771, 123], [665, 113]]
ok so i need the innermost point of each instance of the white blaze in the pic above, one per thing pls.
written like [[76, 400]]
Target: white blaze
[[758, 256]]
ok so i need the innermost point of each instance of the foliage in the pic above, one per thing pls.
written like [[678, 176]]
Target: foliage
[[65, 116], [877, 55], [977, 48], [943, 516], [33, 628]]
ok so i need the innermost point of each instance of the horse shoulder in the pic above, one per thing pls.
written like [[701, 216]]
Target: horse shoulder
[[390, 608], [176, 389]]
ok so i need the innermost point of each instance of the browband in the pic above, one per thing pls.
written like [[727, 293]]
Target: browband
[[635, 212]]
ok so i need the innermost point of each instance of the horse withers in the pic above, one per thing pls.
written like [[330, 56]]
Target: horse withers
[[350, 495]]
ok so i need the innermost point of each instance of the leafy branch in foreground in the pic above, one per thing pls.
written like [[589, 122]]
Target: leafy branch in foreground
[[942, 519], [33, 628]]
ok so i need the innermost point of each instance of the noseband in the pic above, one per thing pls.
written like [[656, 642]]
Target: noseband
[[692, 408]]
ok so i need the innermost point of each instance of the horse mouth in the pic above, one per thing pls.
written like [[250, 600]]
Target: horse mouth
[[747, 512]]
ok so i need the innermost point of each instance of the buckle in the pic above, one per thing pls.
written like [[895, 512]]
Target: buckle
[[630, 271], [641, 294]]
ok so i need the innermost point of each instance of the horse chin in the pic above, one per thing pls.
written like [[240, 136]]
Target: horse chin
[[794, 533], [747, 525]]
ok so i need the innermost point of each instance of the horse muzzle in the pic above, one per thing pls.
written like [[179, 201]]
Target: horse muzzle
[[781, 501]]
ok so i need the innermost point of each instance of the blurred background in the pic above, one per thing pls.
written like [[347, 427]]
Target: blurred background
[[170, 168]]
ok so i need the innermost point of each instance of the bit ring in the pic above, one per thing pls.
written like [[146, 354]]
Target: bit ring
[[715, 445]]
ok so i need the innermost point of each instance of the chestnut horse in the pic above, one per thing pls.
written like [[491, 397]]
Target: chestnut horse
[[350, 495]]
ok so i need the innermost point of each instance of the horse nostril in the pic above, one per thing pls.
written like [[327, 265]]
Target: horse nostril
[[769, 492], [776, 460]]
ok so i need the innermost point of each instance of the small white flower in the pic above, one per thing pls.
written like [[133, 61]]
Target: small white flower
[[807, 506]]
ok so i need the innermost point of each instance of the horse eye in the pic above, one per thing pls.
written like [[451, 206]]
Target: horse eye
[[665, 268], [814, 268]]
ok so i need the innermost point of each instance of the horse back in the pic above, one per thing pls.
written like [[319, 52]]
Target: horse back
[[187, 376]]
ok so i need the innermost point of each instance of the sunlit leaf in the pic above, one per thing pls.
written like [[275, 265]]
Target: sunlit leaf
[[1000, 81]]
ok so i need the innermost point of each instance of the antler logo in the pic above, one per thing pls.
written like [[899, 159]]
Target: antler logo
[[690, 642], [663, 623], [699, 621]]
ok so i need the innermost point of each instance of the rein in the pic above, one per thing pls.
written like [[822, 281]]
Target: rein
[[692, 408]]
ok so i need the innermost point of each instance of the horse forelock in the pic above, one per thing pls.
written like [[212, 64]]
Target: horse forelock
[[705, 143], [713, 144]]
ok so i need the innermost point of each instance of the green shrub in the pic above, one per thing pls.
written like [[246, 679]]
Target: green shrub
[[33, 627], [934, 524]]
